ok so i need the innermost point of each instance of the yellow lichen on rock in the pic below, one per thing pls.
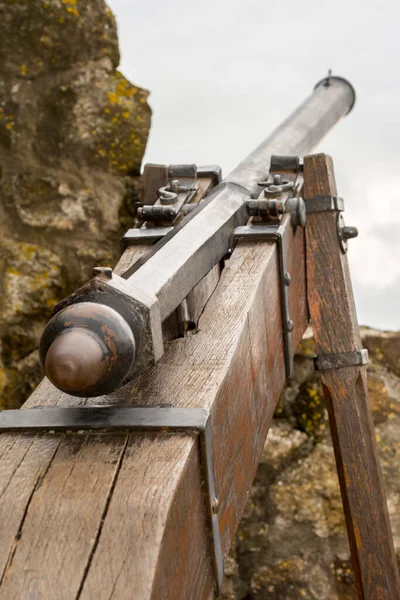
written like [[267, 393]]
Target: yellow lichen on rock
[[70, 159]]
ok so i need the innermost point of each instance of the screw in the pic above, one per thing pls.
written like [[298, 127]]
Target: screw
[[174, 186], [290, 325], [103, 272], [287, 279], [277, 179], [349, 232], [215, 506]]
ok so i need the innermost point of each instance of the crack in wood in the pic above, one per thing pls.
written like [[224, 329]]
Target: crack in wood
[[103, 517], [25, 513]]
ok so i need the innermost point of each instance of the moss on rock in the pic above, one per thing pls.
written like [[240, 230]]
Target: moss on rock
[[309, 409], [42, 36], [73, 132]]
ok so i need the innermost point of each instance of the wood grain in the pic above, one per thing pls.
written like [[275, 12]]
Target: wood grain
[[335, 327], [65, 512], [123, 517], [154, 177], [136, 520], [131, 255], [22, 468]]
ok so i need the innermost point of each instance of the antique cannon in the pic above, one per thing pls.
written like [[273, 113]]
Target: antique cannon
[[111, 328], [257, 261]]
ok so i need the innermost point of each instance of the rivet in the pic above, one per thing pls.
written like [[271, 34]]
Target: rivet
[[287, 279], [290, 325], [215, 506]]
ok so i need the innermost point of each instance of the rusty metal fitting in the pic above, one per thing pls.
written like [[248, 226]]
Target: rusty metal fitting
[[87, 349], [156, 213]]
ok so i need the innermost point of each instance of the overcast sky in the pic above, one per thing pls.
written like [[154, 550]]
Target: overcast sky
[[223, 74]]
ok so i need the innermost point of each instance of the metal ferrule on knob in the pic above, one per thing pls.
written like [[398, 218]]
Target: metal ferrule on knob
[[88, 348], [100, 336]]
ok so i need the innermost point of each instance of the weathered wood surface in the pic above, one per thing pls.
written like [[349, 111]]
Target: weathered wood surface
[[336, 330], [154, 177], [123, 516]]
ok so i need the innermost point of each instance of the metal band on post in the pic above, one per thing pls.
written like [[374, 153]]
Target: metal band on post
[[324, 203], [354, 358], [328, 203]]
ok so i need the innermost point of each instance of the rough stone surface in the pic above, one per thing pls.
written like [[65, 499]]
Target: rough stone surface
[[292, 542], [73, 132]]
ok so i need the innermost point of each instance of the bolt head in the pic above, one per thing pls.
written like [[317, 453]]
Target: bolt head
[[103, 272], [349, 232], [297, 210], [277, 179], [290, 325], [215, 506]]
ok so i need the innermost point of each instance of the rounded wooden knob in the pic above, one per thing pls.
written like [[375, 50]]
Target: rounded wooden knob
[[87, 349]]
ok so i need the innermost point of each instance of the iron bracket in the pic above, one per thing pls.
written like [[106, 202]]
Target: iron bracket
[[354, 358], [182, 196], [324, 203], [275, 233], [122, 418], [213, 171]]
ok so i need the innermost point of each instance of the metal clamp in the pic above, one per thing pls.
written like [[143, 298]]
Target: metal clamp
[[122, 418], [333, 203], [174, 201], [324, 203], [275, 233], [353, 358], [212, 171]]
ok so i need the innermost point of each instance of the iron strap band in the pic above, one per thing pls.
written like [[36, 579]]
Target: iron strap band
[[275, 233], [141, 419], [353, 358], [324, 203]]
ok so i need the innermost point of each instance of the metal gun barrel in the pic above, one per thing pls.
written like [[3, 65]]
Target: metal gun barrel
[[332, 99], [179, 262]]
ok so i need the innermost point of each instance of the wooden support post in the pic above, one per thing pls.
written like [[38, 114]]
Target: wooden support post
[[336, 330]]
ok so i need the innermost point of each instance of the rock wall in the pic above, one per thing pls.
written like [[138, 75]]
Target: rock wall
[[73, 132], [292, 543]]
